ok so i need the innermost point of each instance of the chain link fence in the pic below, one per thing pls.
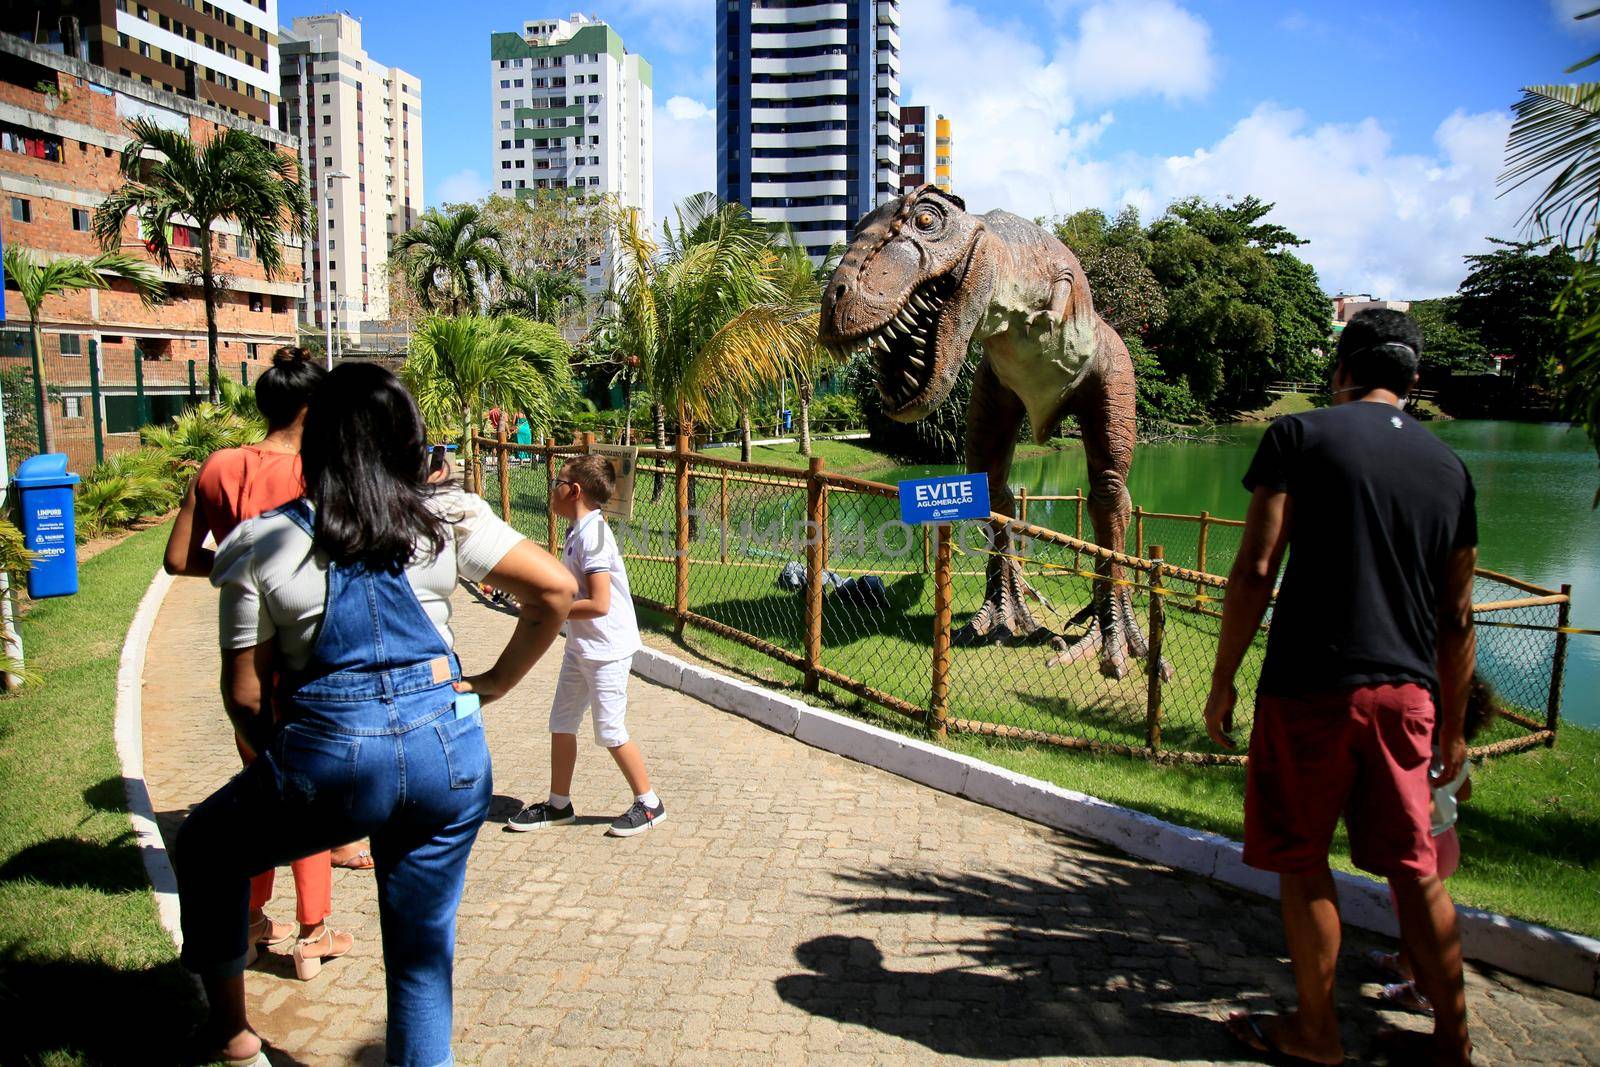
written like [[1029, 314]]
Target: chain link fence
[[799, 570]]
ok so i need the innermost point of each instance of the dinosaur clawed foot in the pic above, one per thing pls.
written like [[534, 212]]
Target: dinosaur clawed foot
[[1113, 633]]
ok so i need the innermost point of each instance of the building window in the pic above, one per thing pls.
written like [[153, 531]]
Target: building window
[[327, 120], [242, 247], [505, 185], [27, 142], [71, 344], [80, 219], [72, 407], [327, 142], [21, 210], [327, 161], [333, 264]]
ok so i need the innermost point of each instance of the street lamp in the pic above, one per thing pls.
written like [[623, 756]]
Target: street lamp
[[327, 274]]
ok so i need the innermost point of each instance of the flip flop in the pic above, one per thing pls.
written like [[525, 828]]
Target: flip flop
[[361, 861], [1262, 1043], [1406, 997], [1387, 962]]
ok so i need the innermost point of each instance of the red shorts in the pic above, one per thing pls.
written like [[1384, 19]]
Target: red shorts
[[1363, 753]]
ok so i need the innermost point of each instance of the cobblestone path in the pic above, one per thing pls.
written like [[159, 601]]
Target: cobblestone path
[[795, 908]]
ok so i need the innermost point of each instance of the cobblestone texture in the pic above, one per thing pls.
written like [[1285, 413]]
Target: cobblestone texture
[[796, 908]]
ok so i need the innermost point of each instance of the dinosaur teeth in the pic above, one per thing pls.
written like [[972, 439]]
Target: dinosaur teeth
[[910, 379], [917, 363]]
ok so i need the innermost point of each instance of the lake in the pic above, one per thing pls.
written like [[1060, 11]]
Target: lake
[[1535, 482]]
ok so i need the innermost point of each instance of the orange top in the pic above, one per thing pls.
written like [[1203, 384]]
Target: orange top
[[240, 483]]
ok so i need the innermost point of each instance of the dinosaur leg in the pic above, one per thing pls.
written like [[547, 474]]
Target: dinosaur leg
[[1105, 409], [993, 418]]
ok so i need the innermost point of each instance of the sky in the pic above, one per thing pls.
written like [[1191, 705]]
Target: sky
[[1376, 127]]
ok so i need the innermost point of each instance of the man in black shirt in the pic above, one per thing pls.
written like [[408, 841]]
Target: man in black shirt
[[1371, 632]]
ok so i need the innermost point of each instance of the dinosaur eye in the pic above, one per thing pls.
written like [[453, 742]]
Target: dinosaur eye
[[927, 219]]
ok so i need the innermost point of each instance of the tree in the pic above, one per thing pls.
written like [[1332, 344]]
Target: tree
[[1509, 298], [800, 285], [1557, 134], [449, 259], [38, 281], [234, 177], [540, 296], [460, 366], [1242, 309], [1448, 347], [552, 232]]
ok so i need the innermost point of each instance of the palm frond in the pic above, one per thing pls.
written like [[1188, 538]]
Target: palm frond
[[1557, 133]]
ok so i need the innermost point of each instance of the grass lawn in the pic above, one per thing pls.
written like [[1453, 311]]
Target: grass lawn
[[85, 967], [855, 458]]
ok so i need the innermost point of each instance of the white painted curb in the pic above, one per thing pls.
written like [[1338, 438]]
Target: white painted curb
[[129, 732], [1554, 957]]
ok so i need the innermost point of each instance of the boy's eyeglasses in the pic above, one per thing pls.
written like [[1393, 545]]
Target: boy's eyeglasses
[[564, 481]]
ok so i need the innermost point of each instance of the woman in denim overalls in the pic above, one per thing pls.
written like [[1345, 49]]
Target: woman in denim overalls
[[373, 739]]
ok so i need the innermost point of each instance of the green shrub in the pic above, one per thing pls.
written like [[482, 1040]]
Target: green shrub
[[126, 488]]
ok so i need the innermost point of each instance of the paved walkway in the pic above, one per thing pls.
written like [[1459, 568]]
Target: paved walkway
[[797, 908]]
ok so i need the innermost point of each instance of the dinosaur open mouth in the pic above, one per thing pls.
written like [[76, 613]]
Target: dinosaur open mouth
[[906, 346]]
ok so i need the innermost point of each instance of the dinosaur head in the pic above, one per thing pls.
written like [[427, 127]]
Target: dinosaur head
[[911, 287]]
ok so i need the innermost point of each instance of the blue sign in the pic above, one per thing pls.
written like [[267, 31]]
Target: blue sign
[[956, 496]]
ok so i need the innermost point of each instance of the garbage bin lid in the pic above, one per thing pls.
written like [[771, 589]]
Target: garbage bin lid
[[44, 472]]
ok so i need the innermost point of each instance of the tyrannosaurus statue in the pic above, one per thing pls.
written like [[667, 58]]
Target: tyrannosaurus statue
[[920, 281]]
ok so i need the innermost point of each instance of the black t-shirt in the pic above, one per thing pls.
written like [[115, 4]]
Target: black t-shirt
[[1379, 503]]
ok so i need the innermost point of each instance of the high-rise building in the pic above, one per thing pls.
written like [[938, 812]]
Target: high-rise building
[[360, 129], [918, 165], [224, 53], [571, 110], [808, 112]]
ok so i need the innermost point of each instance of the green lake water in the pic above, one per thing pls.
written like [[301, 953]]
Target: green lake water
[[1534, 481]]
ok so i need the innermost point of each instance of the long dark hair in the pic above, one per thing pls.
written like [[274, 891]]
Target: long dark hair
[[285, 388], [362, 455]]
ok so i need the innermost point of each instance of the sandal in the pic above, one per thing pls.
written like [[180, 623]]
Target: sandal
[[1406, 997], [1387, 962], [263, 935], [1245, 1028], [360, 860], [306, 965]]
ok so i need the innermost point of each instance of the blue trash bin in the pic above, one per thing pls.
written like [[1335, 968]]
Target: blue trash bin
[[49, 526]]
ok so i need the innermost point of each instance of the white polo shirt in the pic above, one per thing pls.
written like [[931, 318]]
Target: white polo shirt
[[591, 548]]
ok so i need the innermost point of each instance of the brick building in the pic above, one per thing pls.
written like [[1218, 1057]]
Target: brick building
[[61, 133], [918, 165]]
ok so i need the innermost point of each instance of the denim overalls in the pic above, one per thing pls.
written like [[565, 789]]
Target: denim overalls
[[370, 746]]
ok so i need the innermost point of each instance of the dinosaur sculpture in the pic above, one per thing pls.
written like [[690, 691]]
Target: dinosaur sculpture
[[920, 281]]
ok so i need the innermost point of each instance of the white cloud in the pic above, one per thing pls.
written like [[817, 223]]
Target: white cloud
[[1026, 133], [460, 187], [685, 152]]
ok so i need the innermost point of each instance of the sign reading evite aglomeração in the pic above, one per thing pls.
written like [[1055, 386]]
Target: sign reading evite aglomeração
[[955, 496]]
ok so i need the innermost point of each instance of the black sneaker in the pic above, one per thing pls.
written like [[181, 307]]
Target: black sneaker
[[638, 819], [540, 815]]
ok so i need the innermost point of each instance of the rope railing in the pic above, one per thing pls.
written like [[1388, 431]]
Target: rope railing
[[786, 569]]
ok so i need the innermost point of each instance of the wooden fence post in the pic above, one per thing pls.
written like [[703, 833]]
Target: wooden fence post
[[939, 705], [926, 563], [1138, 530], [1077, 531], [722, 511], [1022, 502], [1200, 553], [1156, 634], [1552, 713], [505, 472], [816, 562], [550, 492], [680, 603]]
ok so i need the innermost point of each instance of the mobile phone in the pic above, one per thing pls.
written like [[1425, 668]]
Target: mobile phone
[[466, 704], [436, 459]]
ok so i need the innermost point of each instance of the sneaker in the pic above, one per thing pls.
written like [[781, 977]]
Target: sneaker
[[638, 819], [540, 815]]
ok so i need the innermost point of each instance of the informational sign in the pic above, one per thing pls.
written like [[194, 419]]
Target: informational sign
[[624, 459], [946, 499]]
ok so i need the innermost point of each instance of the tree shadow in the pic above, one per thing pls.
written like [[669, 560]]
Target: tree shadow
[[109, 794], [1102, 957]]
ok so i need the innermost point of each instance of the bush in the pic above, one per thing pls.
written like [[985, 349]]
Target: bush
[[126, 488]]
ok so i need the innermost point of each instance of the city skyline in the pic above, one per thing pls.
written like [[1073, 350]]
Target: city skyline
[[1378, 133]]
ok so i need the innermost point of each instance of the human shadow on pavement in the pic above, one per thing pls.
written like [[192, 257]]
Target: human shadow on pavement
[[1101, 957]]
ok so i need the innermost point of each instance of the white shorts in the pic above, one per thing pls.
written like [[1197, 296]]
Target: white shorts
[[600, 685]]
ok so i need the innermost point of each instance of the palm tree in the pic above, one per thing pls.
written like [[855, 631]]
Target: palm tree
[[1557, 133], [36, 281], [460, 366], [801, 283], [234, 177], [449, 259], [539, 295]]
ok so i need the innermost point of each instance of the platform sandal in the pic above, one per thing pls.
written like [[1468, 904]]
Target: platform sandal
[[307, 966]]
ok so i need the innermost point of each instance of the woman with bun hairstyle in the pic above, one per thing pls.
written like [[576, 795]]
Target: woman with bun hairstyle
[[233, 485]]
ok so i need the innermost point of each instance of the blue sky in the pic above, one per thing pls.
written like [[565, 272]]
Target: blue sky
[[1377, 127]]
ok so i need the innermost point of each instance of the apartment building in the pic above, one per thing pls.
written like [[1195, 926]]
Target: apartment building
[[113, 362], [223, 53], [570, 109], [360, 128], [925, 149], [808, 112]]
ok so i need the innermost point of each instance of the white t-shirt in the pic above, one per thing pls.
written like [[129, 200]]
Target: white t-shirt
[[591, 548], [274, 586]]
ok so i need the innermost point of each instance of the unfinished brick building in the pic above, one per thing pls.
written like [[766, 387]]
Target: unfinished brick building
[[62, 128]]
